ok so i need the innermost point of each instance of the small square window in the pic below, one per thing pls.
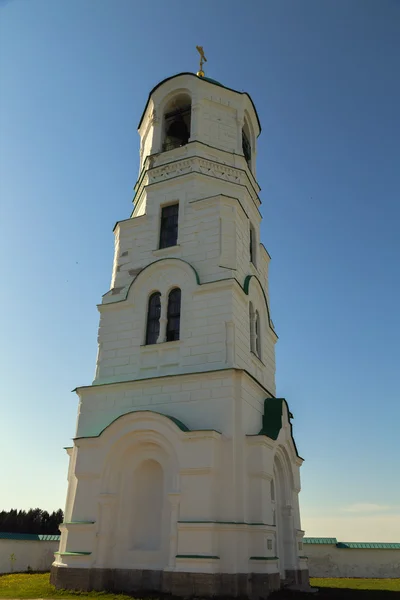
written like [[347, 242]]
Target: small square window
[[169, 226]]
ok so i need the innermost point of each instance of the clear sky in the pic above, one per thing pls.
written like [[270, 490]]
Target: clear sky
[[324, 75]]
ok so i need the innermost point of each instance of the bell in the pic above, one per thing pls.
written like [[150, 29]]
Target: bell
[[178, 132]]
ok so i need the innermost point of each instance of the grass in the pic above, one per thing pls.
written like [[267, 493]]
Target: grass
[[386, 585], [37, 585], [347, 589]]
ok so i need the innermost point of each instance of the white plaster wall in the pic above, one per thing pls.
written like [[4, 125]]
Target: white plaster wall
[[38, 555], [216, 484], [204, 208], [326, 560]]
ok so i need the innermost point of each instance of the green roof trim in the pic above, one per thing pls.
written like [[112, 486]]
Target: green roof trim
[[73, 553], [31, 537], [214, 81], [369, 545], [264, 558], [246, 286], [144, 269], [353, 545], [78, 523], [272, 419], [205, 556], [171, 375], [176, 421], [319, 540]]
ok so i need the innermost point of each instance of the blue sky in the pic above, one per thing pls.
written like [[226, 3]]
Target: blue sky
[[74, 78]]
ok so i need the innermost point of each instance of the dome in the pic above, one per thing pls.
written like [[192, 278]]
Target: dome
[[214, 81]]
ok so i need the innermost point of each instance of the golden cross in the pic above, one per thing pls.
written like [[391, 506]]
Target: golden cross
[[202, 60]]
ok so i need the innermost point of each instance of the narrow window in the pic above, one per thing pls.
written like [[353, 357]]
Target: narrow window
[[169, 226], [251, 326], [246, 147], [174, 315], [272, 490], [251, 247], [257, 334], [153, 318]]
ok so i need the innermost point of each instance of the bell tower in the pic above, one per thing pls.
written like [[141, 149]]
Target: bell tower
[[184, 475]]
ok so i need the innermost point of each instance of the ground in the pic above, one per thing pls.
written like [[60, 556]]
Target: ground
[[36, 585]]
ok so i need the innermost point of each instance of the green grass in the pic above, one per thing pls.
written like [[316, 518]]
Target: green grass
[[347, 589], [388, 585], [37, 585]]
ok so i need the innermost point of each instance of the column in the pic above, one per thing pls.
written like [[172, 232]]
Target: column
[[174, 499]]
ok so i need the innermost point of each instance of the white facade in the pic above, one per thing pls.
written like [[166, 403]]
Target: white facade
[[179, 464]]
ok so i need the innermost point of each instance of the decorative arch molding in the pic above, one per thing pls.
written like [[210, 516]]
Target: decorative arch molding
[[126, 290], [163, 104], [140, 414], [246, 289], [282, 458]]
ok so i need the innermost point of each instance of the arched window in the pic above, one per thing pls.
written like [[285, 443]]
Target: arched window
[[251, 326], [255, 331], [252, 245], [177, 118], [246, 145], [272, 490], [153, 318], [257, 334], [174, 315]]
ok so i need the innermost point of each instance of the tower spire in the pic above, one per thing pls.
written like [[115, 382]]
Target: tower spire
[[203, 59]]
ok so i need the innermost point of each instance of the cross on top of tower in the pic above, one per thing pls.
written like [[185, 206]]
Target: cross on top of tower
[[203, 59]]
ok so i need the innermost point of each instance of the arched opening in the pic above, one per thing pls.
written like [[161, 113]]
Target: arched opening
[[257, 331], [177, 121], [246, 144], [153, 318], [174, 315], [251, 327], [148, 499], [252, 245]]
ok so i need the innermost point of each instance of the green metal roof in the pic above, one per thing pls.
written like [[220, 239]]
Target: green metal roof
[[33, 537], [214, 81], [369, 545], [353, 545], [314, 540]]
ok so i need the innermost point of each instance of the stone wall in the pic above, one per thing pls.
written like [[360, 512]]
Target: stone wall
[[36, 554], [340, 559]]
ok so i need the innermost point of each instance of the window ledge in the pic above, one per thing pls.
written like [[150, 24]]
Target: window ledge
[[167, 250], [161, 345], [255, 356]]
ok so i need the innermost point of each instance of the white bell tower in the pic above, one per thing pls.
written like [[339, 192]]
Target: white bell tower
[[184, 475]]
